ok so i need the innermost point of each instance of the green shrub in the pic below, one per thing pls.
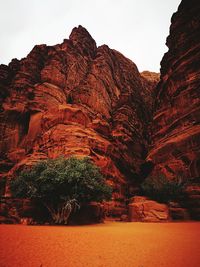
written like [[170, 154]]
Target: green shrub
[[62, 185], [162, 189]]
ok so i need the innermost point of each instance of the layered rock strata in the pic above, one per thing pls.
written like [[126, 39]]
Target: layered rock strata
[[142, 209], [77, 99], [175, 149]]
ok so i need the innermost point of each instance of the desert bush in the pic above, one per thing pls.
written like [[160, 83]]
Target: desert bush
[[162, 189], [62, 185]]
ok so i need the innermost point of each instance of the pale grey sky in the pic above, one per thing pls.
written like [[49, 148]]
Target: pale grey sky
[[136, 28]]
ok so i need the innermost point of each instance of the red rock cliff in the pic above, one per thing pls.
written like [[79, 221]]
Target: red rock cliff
[[176, 131], [75, 99]]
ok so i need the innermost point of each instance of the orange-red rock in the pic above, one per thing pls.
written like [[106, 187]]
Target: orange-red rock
[[75, 99], [142, 209], [150, 81], [175, 149], [78, 99], [176, 131]]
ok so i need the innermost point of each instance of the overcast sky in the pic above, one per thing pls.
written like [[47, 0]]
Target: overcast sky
[[136, 28]]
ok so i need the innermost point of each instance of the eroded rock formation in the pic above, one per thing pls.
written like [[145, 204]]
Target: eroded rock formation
[[75, 99], [142, 209], [175, 149], [150, 81], [78, 99]]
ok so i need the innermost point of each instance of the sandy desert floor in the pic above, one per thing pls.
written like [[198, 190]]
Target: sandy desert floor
[[106, 245]]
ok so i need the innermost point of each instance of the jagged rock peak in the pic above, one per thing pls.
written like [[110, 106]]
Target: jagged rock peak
[[81, 37], [76, 99], [79, 32]]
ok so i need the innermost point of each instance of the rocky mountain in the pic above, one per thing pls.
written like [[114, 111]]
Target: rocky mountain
[[175, 148], [75, 98], [78, 99]]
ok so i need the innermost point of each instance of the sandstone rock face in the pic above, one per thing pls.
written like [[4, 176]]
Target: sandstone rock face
[[75, 99], [150, 81], [175, 135], [141, 209], [175, 132]]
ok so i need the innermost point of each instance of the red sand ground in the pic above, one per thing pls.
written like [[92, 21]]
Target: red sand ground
[[106, 245]]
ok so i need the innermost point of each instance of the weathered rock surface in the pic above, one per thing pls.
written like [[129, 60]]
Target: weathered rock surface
[[75, 99], [78, 99], [149, 81], [176, 131], [175, 148], [142, 209]]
